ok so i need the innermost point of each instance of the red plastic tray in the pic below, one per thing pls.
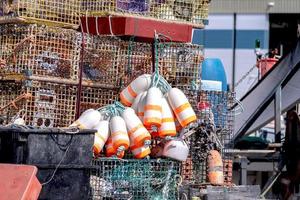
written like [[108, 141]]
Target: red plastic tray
[[19, 182], [143, 29]]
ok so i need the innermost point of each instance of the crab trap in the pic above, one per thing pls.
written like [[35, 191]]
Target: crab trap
[[181, 11], [216, 120], [134, 179], [39, 104], [50, 12], [40, 51]]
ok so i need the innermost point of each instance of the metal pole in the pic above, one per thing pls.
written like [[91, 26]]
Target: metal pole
[[278, 115], [233, 53]]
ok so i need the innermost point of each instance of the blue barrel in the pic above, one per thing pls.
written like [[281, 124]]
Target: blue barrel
[[213, 70]]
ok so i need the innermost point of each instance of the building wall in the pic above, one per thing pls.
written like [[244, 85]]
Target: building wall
[[217, 39]]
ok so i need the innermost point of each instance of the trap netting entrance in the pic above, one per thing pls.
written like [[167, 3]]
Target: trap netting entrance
[[134, 179]]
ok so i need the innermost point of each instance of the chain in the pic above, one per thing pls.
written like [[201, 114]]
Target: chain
[[245, 76]]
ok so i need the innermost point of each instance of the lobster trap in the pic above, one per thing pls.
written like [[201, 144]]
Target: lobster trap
[[40, 51], [95, 97], [50, 12], [39, 104], [102, 61], [182, 11], [134, 179], [216, 120]]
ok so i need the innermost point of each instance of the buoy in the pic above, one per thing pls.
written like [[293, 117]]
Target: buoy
[[136, 102], [119, 133], [176, 149], [88, 119], [215, 168], [141, 106], [101, 136], [178, 126], [153, 109], [141, 152], [181, 107], [111, 151], [167, 127], [138, 134], [140, 84]]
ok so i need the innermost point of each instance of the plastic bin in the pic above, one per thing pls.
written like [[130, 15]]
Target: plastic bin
[[48, 149]]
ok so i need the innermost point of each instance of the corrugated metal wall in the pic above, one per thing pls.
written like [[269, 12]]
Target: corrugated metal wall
[[254, 6]]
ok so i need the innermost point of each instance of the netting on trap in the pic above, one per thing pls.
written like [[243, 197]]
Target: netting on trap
[[134, 179], [95, 97], [50, 12], [39, 104], [216, 120], [185, 11], [40, 51], [102, 61]]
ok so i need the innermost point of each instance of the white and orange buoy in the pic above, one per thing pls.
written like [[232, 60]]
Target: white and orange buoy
[[141, 152], [141, 106], [178, 126], [111, 151], [168, 127], [140, 84], [215, 168], [153, 109], [136, 102], [138, 134], [88, 119], [181, 107], [119, 133], [101, 136]]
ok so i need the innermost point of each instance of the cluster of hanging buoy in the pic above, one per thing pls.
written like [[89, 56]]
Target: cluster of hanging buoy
[[149, 109]]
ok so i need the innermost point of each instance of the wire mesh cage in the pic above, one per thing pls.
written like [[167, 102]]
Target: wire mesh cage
[[40, 51], [186, 11], [95, 97], [51, 12], [39, 104], [102, 61], [134, 179], [216, 120]]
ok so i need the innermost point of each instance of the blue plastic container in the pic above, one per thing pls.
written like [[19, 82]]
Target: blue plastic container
[[213, 69]]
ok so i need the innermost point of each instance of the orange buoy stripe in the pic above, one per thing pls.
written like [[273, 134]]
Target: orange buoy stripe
[[153, 107], [124, 100], [139, 141], [131, 91], [96, 149], [140, 114], [167, 132], [100, 136], [152, 121], [187, 121], [135, 129], [166, 120], [143, 154], [182, 108], [117, 133], [119, 143]]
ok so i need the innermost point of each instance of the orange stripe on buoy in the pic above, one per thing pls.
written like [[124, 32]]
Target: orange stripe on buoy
[[182, 107], [124, 100], [165, 120], [131, 92], [135, 129], [141, 114], [168, 132], [153, 107], [152, 120], [122, 143], [96, 149], [185, 122], [143, 154], [139, 141]]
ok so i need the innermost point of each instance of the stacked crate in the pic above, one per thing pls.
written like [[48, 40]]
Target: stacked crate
[[39, 62]]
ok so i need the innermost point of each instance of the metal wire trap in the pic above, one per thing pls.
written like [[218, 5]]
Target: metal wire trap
[[134, 179]]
